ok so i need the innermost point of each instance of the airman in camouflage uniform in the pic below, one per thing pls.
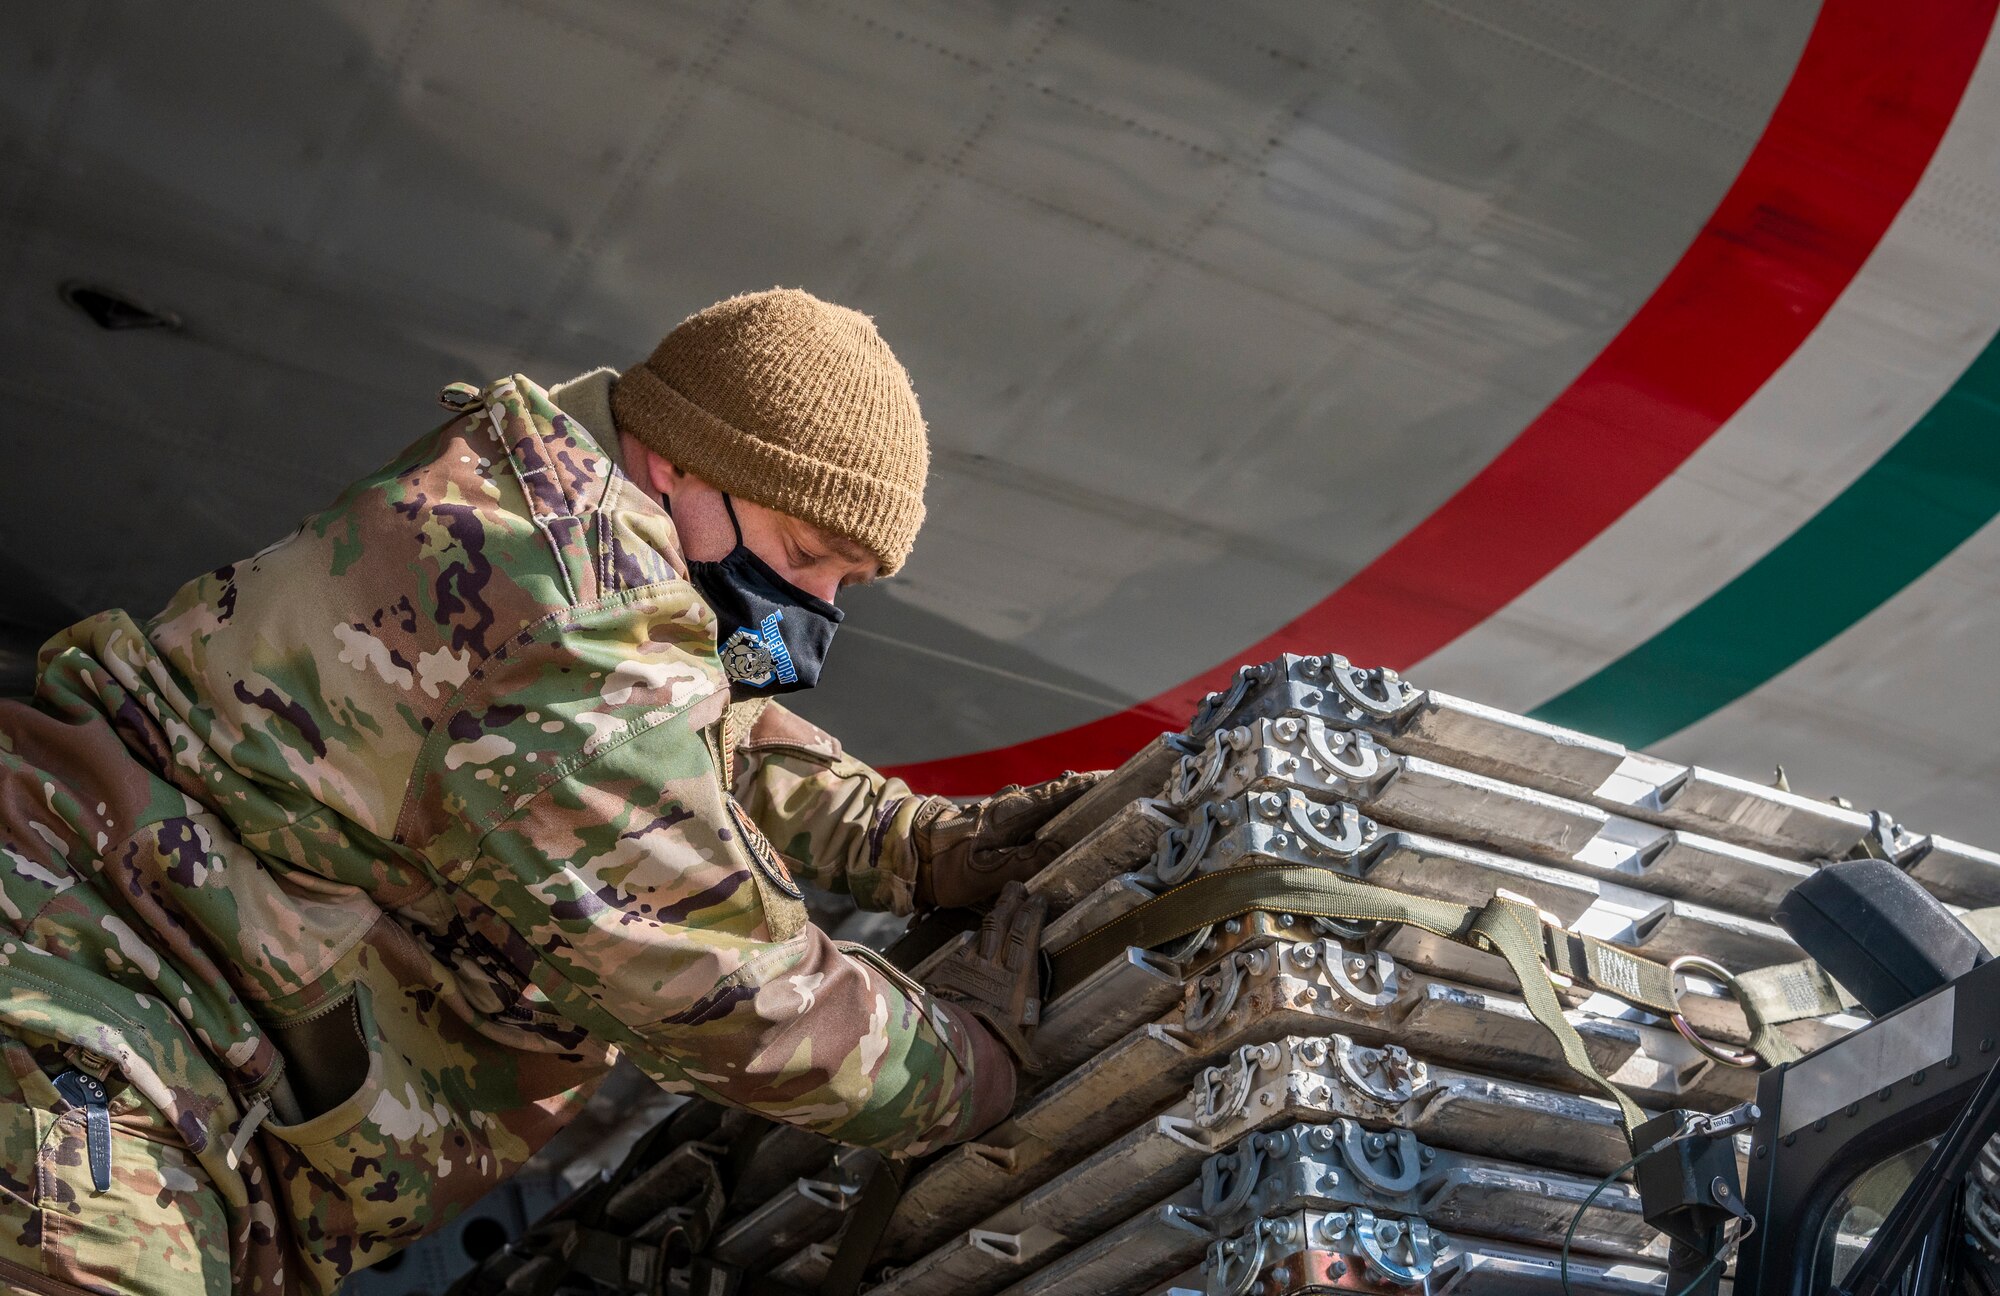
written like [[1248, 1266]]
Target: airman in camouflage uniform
[[331, 891]]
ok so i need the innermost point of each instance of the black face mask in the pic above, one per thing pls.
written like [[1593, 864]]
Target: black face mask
[[772, 636]]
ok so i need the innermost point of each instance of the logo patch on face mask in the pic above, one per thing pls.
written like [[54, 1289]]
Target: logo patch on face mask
[[746, 660], [756, 657]]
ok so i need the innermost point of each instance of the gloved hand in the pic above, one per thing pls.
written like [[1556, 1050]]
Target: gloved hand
[[965, 854], [997, 977]]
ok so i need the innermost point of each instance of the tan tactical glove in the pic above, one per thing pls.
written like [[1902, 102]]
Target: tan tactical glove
[[967, 853], [997, 976]]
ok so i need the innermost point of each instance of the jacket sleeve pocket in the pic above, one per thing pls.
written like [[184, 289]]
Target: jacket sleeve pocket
[[784, 903]]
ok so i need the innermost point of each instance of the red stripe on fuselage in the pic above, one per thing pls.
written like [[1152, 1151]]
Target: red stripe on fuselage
[[1873, 93]]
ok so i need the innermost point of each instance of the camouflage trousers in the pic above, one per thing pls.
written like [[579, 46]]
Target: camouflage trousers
[[157, 1228]]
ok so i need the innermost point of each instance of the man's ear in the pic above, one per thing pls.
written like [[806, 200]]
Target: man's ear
[[655, 473], [665, 477]]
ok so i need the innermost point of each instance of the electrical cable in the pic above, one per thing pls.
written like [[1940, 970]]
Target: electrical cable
[[1575, 1220], [1569, 1236]]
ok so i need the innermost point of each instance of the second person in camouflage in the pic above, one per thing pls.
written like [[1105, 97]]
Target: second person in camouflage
[[332, 890]]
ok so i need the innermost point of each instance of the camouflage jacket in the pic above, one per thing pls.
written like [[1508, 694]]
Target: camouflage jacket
[[449, 760]]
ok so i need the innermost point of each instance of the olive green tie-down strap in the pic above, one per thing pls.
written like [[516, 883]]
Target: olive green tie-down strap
[[1511, 928], [1788, 992]]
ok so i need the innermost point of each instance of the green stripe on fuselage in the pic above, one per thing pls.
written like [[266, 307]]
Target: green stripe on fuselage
[[1924, 497]]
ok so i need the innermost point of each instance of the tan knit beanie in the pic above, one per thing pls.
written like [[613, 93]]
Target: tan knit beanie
[[793, 403]]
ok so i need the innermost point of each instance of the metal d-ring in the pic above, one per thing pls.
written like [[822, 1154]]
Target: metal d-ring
[[1217, 707], [1375, 1236], [1347, 837], [1234, 1264], [1228, 1179], [1181, 849], [1195, 776], [1376, 691], [1359, 766], [1722, 976]]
